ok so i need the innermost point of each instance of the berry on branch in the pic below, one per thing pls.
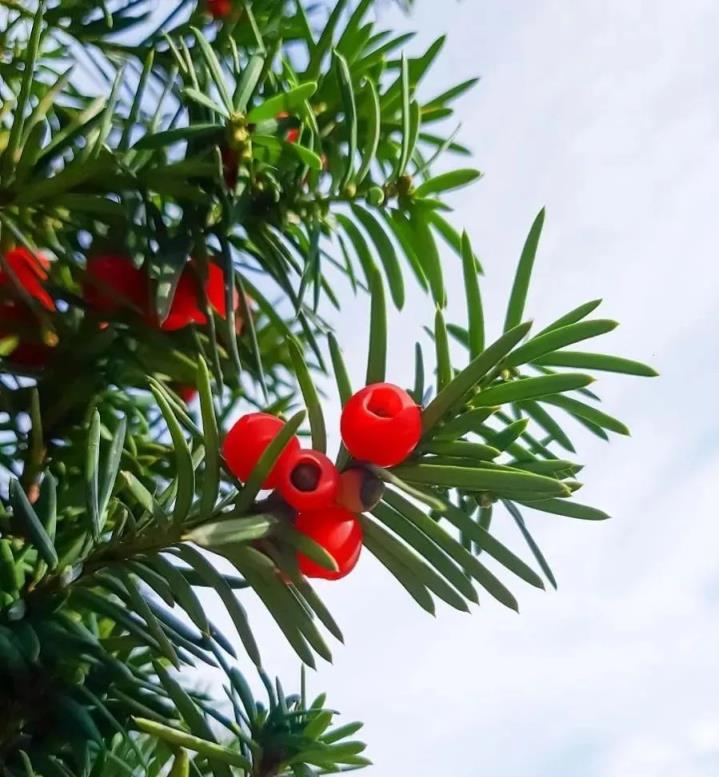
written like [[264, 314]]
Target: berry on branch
[[339, 532], [248, 440], [186, 393], [186, 305], [219, 9], [17, 319], [113, 283], [309, 480], [381, 424], [30, 271]]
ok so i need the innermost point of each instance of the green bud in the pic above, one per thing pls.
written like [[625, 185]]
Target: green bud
[[237, 133], [375, 195]]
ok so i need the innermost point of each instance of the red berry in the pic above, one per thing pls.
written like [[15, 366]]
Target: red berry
[[186, 307], [186, 393], [219, 8], [247, 441], [113, 283], [339, 532], [30, 271], [215, 289], [17, 319], [293, 133], [309, 481], [381, 424]]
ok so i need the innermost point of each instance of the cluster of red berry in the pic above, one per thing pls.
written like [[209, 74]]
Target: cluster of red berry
[[381, 425], [112, 285]]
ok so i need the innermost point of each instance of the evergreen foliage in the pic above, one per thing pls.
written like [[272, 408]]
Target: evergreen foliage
[[288, 145]]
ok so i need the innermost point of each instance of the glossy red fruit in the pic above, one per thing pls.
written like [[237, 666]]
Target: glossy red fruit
[[309, 481], [186, 307], [247, 441], [112, 283], [219, 8], [339, 532], [381, 424], [30, 270]]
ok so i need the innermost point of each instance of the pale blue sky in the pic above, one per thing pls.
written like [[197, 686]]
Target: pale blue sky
[[607, 114]]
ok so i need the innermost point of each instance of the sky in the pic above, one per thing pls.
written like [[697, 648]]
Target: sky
[[605, 113]]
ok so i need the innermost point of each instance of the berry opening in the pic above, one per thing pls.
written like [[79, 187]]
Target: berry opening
[[306, 476], [309, 481], [384, 403]]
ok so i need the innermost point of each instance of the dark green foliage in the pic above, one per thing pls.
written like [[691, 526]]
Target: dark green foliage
[[292, 149]]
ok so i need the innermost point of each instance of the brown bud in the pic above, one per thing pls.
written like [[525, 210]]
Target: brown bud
[[360, 490], [486, 499], [405, 185]]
